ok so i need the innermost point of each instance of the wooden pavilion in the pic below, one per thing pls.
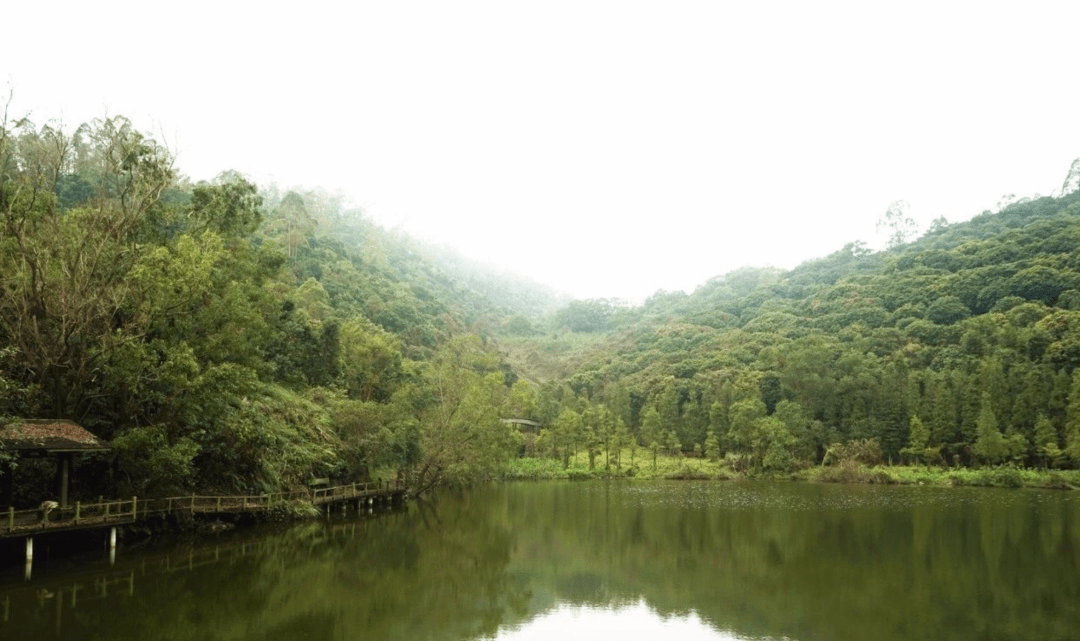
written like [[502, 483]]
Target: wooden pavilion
[[47, 438]]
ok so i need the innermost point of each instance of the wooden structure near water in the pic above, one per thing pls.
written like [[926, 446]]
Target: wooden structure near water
[[46, 438], [115, 512]]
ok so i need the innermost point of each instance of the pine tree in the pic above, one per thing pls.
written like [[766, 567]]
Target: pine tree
[[1046, 441], [918, 437], [990, 445], [712, 445], [1072, 419]]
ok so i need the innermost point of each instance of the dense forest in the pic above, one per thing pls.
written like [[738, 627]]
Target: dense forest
[[959, 348], [222, 336]]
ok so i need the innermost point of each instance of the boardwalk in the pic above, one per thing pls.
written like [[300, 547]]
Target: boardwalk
[[127, 511]]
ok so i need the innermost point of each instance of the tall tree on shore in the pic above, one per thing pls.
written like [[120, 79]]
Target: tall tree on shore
[[461, 436], [64, 286], [989, 446], [1072, 419]]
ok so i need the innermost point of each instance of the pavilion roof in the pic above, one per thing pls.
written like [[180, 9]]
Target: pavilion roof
[[49, 436]]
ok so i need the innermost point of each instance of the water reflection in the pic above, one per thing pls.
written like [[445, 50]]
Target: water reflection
[[721, 560], [630, 622]]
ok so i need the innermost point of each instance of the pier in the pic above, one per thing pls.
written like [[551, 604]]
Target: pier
[[112, 512], [125, 512]]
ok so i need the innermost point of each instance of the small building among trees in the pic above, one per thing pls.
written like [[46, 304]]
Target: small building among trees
[[51, 438]]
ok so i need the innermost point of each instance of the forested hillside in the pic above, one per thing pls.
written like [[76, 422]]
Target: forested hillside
[[219, 337], [960, 348]]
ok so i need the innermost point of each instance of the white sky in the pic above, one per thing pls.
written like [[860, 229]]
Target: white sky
[[606, 148]]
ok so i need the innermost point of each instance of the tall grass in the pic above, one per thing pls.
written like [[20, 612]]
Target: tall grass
[[678, 467], [666, 467], [997, 476]]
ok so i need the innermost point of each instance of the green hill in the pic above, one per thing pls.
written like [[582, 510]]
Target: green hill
[[971, 330], [226, 337]]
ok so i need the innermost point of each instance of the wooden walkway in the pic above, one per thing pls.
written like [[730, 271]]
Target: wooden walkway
[[127, 511]]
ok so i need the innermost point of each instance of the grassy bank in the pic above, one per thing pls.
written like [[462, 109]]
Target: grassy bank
[[677, 467], [640, 466], [997, 476]]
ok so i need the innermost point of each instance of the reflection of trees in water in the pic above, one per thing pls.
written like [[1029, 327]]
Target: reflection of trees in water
[[442, 576], [883, 563], [995, 565]]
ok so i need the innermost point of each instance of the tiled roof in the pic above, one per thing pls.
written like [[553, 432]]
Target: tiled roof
[[49, 435]]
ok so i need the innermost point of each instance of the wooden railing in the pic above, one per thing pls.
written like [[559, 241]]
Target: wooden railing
[[130, 510]]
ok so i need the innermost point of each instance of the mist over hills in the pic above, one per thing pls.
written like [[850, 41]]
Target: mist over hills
[[224, 337]]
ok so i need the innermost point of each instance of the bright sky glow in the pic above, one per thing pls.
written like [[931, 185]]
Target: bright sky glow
[[631, 622], [606, 148]]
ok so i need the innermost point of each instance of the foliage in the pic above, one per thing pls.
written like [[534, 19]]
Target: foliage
[[895, 348], [461, 436], [226, 336], [223, 337], [154, 465]]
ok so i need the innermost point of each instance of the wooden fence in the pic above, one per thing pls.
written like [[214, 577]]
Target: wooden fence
[[119, 511]]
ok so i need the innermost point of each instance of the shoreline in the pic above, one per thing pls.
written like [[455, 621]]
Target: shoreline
[[673, 468]]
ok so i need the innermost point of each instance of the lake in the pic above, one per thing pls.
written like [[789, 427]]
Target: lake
[[593, 560]]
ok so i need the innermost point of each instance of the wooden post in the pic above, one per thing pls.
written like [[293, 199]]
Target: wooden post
[[219, 504], [7, 483], [10, 518], [29, 556], [134, 508], [78, 510], [107, 505], [65, 472]]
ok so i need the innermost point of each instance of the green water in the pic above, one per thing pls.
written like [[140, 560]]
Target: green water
[[625, 560]]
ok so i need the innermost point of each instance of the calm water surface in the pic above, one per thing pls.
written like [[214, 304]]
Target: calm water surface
[[625, 560]]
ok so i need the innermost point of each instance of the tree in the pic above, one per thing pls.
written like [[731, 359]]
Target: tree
[[1072, 419], [712, 445], [1072, 179], [567, 430], [370, 360], [937, 226], [651, 425], [671, 439], [64, 275], [461, 436], [947, 310], [744, 417], [806, 439], [897, 225], [718, 422], [620, 438], [654, 447], [291, 222], [524, 401], [990, 446], [772, 444], [1046, 441], [592, 315], [918, 441]]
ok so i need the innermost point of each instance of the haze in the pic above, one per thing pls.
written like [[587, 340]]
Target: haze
[[608, 149]]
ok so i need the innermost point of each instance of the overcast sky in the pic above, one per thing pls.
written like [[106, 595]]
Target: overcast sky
[[608, 149]]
